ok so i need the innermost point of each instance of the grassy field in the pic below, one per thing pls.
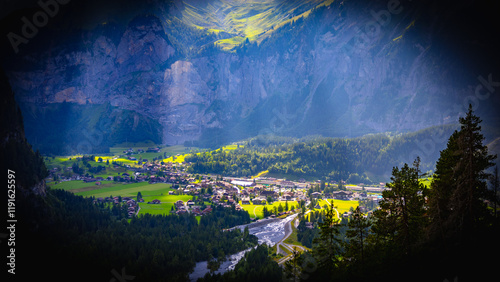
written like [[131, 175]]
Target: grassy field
[[175, 159], [77, 185], [256, 211], [342, 206], [108, 188], [116, 155], [127, 190], [167, 202], [149, 193]]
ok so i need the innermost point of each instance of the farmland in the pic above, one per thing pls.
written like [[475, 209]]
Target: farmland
[[256, 211], [167, 154], [340, 205], [149, 193], [134, 175], [167, 202]]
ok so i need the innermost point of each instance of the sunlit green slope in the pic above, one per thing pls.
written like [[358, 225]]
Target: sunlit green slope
[[244, 19]]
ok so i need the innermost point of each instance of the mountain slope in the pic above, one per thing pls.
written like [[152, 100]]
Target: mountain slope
[[340, 69], [16, 154], [244, 19]]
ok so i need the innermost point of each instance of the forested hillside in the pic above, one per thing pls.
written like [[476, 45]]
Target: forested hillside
[[445, 232], [81, 237], [357, 160], [71, 237]]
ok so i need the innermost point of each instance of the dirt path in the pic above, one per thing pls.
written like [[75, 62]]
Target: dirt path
[[338, 216]]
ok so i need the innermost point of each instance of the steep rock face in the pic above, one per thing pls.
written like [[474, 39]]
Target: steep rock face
[[16, 154], [325, 74], [181, 98], [127, 74]]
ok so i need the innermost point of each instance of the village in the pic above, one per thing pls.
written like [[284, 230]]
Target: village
[[215, 189]]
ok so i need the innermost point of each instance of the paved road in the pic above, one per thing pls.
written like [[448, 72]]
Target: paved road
[[289, 247], [288, 231]]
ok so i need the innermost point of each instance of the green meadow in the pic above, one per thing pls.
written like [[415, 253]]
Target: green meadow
[[116, 155], [167, 202], [111, 188], [340, 205], [148, 191], [256, 211]]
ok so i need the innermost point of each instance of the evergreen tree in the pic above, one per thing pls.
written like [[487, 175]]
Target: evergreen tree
[[467, 201], [400, 218], [328, 250], [266, 212], [458, 202], [293, 269], [357, 232], [442, 185]]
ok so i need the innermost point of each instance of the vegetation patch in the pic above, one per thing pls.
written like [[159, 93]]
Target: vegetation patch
[[125, 190]]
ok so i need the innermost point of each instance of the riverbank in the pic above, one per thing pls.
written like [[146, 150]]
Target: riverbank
[[255, 224], [269, 231]]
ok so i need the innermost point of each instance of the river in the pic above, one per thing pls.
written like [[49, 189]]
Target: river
[[268, 231]]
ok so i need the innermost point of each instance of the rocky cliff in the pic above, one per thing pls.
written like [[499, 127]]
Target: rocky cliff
[[335, 68], [17, 157]]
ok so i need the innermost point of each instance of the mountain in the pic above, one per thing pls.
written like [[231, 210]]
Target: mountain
[[211, 72], [18, 158]]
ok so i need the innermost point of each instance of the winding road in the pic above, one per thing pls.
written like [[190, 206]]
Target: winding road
[[281, 246]]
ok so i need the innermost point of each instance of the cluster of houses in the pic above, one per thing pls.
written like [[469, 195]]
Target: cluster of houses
[[259, 194], [132, 205], [190, 207], [131, 151], [225, 191]]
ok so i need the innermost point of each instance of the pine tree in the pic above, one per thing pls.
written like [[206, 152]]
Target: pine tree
[[357, 232], [460, 189], [468, 199], [442, 185], [293, 269], [328, 249], [401, 216]]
